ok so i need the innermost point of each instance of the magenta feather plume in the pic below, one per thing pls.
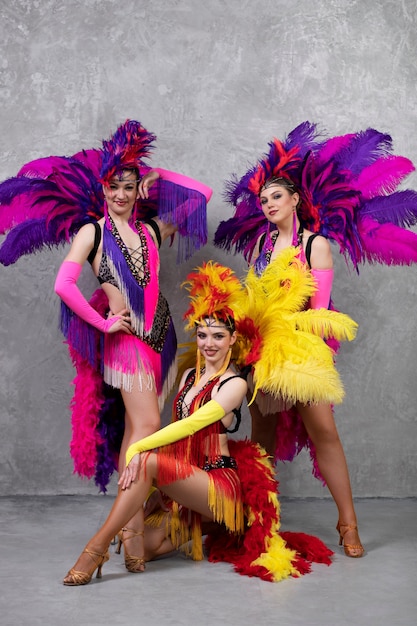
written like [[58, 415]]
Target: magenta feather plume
[[387, 243], [42, 168], [383, 176], [86, 405], [16, 201], [91, 159], [334, 146]]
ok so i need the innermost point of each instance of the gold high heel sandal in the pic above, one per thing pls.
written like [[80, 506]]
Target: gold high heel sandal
[[353, 550], [134, 564], [74, 578]]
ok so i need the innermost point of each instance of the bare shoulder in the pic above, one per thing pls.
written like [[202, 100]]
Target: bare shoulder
[[230, 377], [82, 244], [231, 394], [86, 232], [321, 243], [321, 253], [165, 230]]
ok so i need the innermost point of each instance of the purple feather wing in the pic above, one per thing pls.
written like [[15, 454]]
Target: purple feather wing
[[305, 137], [363, 149], [399, 208], [27, 238]]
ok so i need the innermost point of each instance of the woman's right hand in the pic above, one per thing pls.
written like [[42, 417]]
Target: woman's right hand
[[130, 473], [122, 323], [146, 183]]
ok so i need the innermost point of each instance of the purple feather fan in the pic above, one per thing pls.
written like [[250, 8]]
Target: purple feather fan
[[348, 185]]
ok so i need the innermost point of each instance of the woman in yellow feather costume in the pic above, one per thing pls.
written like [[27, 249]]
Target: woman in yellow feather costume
[[210, 479]]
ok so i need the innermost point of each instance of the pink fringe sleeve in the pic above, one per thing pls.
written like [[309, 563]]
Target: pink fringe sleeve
[[184, 181]]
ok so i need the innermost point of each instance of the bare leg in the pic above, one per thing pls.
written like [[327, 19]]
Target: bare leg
[[157, 543], [263, 429], [191, 492], [142, 418], [321, 428]]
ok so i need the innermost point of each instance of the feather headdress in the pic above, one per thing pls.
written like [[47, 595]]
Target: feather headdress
[[282, 342], [125, 149], [215, 292], [347, 187], [51, 198]]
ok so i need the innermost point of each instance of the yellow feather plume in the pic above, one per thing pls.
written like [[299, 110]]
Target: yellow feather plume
[[295, 362], [276, 334]]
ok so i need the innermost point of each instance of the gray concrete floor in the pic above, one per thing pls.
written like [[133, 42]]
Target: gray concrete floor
[[41, 538]]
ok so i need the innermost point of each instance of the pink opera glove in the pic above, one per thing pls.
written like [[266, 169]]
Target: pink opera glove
[[184, 181], [67, 290], [324, 280]]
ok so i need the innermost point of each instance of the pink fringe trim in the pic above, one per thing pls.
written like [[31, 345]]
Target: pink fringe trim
[[127, 358], [151, 291]]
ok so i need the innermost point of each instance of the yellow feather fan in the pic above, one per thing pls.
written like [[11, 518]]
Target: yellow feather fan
[[277, 336], [295, 363]]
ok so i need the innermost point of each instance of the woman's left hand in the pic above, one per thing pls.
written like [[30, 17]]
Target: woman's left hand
[[130, 473], [146, 183]]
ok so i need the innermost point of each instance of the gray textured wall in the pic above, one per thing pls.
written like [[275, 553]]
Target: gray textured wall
[[215, 80]]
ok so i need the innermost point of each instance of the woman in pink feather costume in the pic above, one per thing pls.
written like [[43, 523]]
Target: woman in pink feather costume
[[116, 211]]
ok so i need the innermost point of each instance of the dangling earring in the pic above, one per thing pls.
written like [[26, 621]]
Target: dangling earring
[[106, 215], [224, 366], [197, 368], [295, 237]]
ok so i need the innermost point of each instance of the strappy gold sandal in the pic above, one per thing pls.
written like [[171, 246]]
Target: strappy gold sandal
[[74, 578], [356, 550], [134, 564]]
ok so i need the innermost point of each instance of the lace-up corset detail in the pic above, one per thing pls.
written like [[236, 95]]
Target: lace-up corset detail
[[137, 258]]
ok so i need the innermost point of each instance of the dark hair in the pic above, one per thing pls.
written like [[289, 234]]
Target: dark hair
[[135, 170]]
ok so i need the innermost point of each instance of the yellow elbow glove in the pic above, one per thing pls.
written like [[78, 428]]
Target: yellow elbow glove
[[204, 416]]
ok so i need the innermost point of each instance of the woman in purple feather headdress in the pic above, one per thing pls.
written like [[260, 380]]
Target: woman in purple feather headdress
[[305, 192], [118, 212]]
